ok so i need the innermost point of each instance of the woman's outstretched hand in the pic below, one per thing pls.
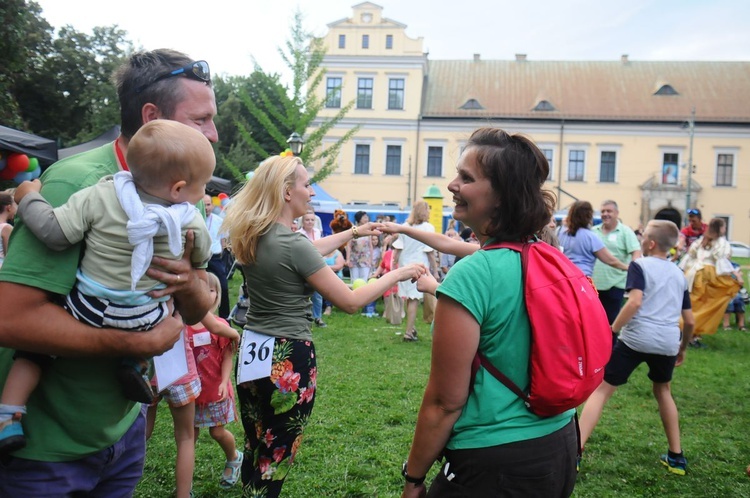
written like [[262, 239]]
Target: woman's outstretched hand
[[411, 272]]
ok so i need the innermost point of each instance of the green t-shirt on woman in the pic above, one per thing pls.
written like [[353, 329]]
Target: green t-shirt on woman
[[488, 284]]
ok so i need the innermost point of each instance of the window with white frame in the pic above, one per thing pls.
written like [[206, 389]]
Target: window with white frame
[[434, 161], [670, 168], [550, 155], [396, 93], [364, 93], [393, 160], [724, 170], [576, 165], [362, 159], [333, 92], [607, 166]]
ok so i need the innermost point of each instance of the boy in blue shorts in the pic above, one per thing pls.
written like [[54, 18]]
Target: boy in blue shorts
[[649, 331]]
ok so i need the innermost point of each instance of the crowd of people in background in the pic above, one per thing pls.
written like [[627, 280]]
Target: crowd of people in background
[[663, 288]]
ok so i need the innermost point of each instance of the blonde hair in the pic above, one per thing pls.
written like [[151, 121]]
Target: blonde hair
[[420, 212], [664, 232], [214, 284], [165, 151], [255, 208]]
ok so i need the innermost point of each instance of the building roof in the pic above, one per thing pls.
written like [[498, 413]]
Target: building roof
[[611, 91]]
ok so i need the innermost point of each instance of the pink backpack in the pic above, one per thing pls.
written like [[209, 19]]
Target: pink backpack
[[571, 340]]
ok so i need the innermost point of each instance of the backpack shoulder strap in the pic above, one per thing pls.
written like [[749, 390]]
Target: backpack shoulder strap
[[500, 376]]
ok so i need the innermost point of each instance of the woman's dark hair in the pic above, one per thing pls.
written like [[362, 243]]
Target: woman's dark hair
[[358, 216], [580, 215], [517, 170]]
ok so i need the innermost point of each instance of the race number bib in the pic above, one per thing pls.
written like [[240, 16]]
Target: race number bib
[[256, 353]]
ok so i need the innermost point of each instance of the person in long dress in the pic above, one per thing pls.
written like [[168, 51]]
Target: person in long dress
[[408, 251]]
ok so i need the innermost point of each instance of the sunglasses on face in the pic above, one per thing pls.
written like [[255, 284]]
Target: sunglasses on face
[[197, 70], [694, 212]]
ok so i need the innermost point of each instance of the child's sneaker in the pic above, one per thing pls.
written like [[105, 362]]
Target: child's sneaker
[[677, 465], [134, 382], [11, 435]]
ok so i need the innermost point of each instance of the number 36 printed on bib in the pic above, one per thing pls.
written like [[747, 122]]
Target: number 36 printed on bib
[[256, 353]]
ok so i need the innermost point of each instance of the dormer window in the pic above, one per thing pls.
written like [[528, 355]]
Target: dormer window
[[472, 104], [544, 105], [666, 89]]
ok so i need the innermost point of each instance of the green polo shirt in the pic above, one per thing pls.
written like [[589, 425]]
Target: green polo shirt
[[621, 242], [77, 408]]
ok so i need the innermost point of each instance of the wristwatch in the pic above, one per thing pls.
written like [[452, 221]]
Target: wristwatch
[[414, 480]]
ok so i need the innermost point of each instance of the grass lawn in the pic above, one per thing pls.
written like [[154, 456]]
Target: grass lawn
[[370, 386]]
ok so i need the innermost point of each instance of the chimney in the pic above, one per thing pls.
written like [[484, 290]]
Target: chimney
[[476, 58], [624, 58], [521, 57]]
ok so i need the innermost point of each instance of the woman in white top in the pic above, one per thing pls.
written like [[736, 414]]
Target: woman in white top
[[408, 250]]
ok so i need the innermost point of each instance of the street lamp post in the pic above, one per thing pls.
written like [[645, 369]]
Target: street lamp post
[[296, 143], [691, 130]]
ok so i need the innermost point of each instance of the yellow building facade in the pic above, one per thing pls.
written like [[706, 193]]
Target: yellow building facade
[[622, 130]]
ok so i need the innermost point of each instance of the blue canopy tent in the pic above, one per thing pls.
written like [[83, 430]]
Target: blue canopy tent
[[324, 205]]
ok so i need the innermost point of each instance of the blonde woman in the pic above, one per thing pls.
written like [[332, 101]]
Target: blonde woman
[[282, 270], [408, 251]]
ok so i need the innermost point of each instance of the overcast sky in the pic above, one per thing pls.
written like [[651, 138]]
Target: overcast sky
[[228, 33]]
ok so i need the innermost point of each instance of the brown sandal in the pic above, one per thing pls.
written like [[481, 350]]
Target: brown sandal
[[410, 335]]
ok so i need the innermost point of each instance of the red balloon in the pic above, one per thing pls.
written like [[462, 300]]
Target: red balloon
[[17, 163], [223, 196], [7, 174]]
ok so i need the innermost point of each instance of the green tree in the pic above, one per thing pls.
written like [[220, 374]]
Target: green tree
[[279, 113], [24, 39], [235, 123], [67, 94]]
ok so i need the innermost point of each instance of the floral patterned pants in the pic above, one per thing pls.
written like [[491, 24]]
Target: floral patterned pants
[[274, 412]]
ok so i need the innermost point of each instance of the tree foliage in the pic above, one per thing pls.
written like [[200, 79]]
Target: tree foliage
[[57, 86], [279, 111], [24, 39]]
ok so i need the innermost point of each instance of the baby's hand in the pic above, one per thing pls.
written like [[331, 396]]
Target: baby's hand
[[26, 188]]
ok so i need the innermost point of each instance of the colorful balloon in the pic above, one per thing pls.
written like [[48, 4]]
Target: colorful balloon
[[7, 174], [215, 201], [22, 177], [33, 164], [35, 174], [18, 163], [223, 196]]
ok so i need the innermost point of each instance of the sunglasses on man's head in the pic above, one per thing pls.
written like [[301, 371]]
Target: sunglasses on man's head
[[197, 70], [694, 212]]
